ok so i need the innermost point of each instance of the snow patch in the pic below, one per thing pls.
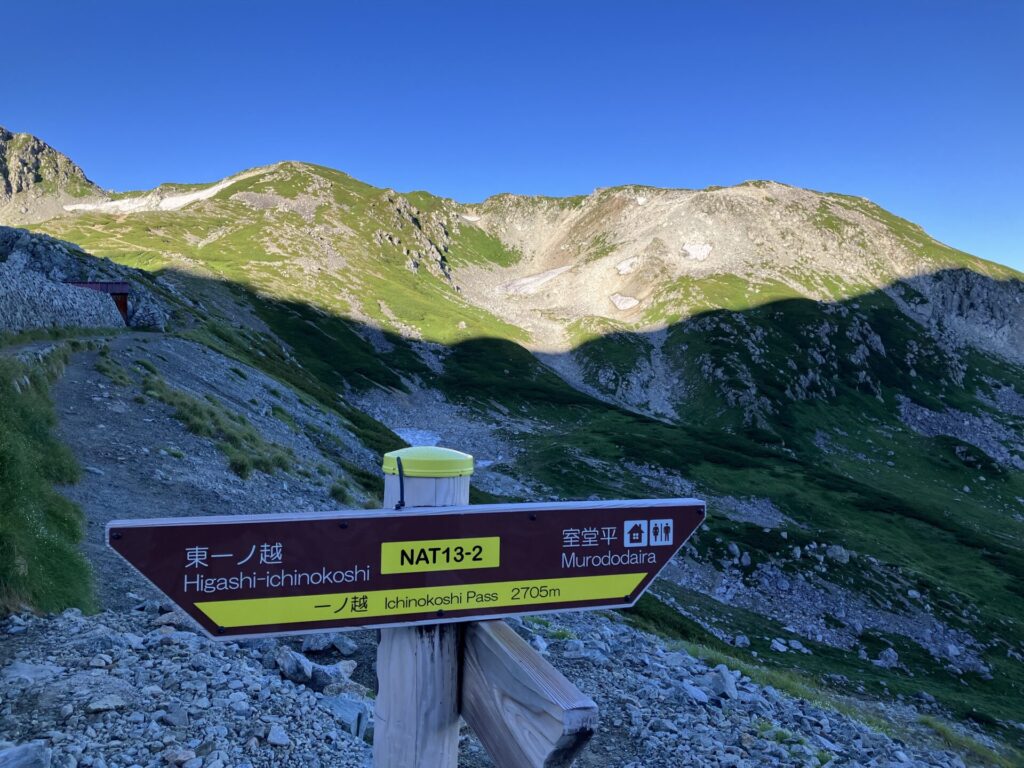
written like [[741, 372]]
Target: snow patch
[[623, 302], [697, 251], [157, 201], [526, 286]]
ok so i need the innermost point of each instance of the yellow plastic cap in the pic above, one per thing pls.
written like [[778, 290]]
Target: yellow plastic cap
[[428, 461]]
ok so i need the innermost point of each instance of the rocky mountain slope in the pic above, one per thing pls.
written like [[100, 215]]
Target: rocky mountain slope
[[148, 691], [846, 392], [36, 180]]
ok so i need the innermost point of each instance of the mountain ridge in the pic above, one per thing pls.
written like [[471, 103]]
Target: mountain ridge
[[40, 147], [553, 272]]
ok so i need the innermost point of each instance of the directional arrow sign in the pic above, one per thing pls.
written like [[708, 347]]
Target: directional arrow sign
[[253, 575]]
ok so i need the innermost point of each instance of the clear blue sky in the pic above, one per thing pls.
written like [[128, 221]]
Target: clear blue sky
[[917, 105]]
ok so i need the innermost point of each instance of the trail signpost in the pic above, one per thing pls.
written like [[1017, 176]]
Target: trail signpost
[[431, 561], [284, 574]]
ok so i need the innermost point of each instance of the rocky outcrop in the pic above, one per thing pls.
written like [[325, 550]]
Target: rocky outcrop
[[428, 234], [36, 179], [964, 307], [34, 272], [983, 431]]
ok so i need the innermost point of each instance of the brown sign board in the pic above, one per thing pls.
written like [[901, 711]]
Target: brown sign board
[[283, 574]]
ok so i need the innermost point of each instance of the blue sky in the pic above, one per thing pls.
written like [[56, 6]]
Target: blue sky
[[916, 105]]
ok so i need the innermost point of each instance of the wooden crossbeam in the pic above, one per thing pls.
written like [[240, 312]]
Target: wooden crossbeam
[[525, 712]]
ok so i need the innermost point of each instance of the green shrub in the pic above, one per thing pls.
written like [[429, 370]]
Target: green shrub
[[241, 464], [340, 493], [148, 366], [113, 371], [283, 416]]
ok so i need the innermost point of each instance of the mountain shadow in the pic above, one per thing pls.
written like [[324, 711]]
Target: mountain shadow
[[843, 414]]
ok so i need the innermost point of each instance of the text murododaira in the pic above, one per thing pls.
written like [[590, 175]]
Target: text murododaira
[[575, 560]]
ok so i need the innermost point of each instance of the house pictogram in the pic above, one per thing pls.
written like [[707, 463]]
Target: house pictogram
[[634, 533]]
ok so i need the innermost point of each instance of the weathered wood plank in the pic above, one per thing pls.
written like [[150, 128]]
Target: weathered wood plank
[[525, 712], [416, 717], [416, 721]]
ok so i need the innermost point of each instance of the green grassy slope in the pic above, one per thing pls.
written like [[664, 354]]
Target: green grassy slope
[[334, 243], [40, 564]]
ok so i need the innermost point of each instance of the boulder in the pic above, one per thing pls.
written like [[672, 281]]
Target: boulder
[[293, 665], [695, 693], [837, 553], [105, 703], [322, 676], [887, 659], [318, 642], [277, 737], [33, 755], [722, 683], [345, 645], [351, 713]]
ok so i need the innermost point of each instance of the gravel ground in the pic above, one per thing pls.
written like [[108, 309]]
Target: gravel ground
[[139, 688], [129, 449]]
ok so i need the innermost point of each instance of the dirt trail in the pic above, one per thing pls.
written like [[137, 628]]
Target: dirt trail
[[140, 461]]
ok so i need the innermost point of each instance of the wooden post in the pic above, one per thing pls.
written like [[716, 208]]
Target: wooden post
[[416, 719], [525, 712]]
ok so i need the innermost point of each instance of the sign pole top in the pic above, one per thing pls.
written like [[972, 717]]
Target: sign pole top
[[429, 461]]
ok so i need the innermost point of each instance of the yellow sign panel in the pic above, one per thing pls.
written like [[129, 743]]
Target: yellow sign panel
[[439, 555], [387, 602]]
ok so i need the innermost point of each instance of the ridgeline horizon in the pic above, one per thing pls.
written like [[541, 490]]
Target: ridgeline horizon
[[114, 193]]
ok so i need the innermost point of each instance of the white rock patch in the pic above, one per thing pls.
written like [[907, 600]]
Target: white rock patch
[[626, 266], [623, 302], [697, 251]]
